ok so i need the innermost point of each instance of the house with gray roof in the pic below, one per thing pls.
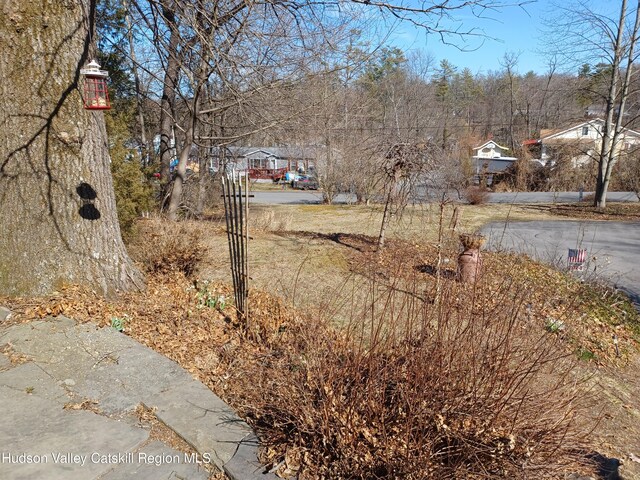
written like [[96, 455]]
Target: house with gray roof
[[264, 162]]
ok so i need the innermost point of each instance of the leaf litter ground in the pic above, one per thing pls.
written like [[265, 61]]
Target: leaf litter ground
[[172, 318]]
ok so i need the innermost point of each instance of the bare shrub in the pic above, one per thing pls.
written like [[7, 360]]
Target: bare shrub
[[569, 168], [200, 192], [522, 175], [626, 174], [165, 247], [464, 387], [588, 198], [476, 195], [502, 187]]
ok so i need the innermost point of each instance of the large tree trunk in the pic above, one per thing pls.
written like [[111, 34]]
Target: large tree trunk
[[614, 150], [608, 130], [136, 78], [175, 198], [167, 102], [57, 207], [180, 177]]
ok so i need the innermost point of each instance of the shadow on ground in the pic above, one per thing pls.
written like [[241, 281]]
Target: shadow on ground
[[359, 242], [433, 271]]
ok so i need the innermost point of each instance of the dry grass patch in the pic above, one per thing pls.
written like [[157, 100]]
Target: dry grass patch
[[265, 219], [614, 211], [417, 222]]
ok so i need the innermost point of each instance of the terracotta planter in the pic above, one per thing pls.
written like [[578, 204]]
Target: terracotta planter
[[469, 265]]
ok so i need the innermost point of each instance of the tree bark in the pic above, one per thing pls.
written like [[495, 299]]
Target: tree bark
[[388, 204], [168, 100], [189, 142], [614, 151], [136, 78], [180, 177], [57, 205], [386, 218], [608, 130]]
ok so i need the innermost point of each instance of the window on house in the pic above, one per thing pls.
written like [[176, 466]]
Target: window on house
[[585, 130]]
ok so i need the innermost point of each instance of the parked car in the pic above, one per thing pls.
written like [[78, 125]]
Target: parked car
[[305, 182], [290, 177]]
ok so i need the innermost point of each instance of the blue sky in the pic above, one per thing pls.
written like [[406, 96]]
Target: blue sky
[[515, 29]]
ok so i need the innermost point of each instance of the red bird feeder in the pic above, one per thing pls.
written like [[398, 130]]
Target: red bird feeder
[[96, 94]]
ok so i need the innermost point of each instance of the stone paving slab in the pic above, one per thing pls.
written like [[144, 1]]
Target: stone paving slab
[[245, 464], [195, 413], [31, 379], [97, 363], [37, 434], [156, 461], [100, 364]]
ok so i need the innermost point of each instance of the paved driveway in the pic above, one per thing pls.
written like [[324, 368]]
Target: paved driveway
[[613, 247], [556, 197]]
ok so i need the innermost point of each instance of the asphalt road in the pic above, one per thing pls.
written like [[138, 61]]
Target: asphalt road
[[556, 197], [293, 197], [315, 197], [613, 248]]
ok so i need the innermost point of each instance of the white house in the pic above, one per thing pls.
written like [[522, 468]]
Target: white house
[[581, 142], [491, 158]]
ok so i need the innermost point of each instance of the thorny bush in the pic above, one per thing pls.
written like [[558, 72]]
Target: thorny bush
[[461, 385]]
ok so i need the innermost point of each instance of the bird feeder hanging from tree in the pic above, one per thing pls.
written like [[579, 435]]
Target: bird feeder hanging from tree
[[96, 94]]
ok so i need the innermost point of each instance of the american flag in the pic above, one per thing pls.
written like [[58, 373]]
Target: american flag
[[576, 258]]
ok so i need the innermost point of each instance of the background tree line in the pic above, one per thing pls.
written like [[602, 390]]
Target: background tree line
[[214, 74], [202, 75]]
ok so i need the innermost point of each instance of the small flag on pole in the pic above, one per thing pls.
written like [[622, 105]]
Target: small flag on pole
[[576, 259]]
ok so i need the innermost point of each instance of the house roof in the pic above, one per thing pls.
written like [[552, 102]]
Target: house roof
[[547, 132], [488, 142], [551, 134], [279, 152], [496, 159]]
